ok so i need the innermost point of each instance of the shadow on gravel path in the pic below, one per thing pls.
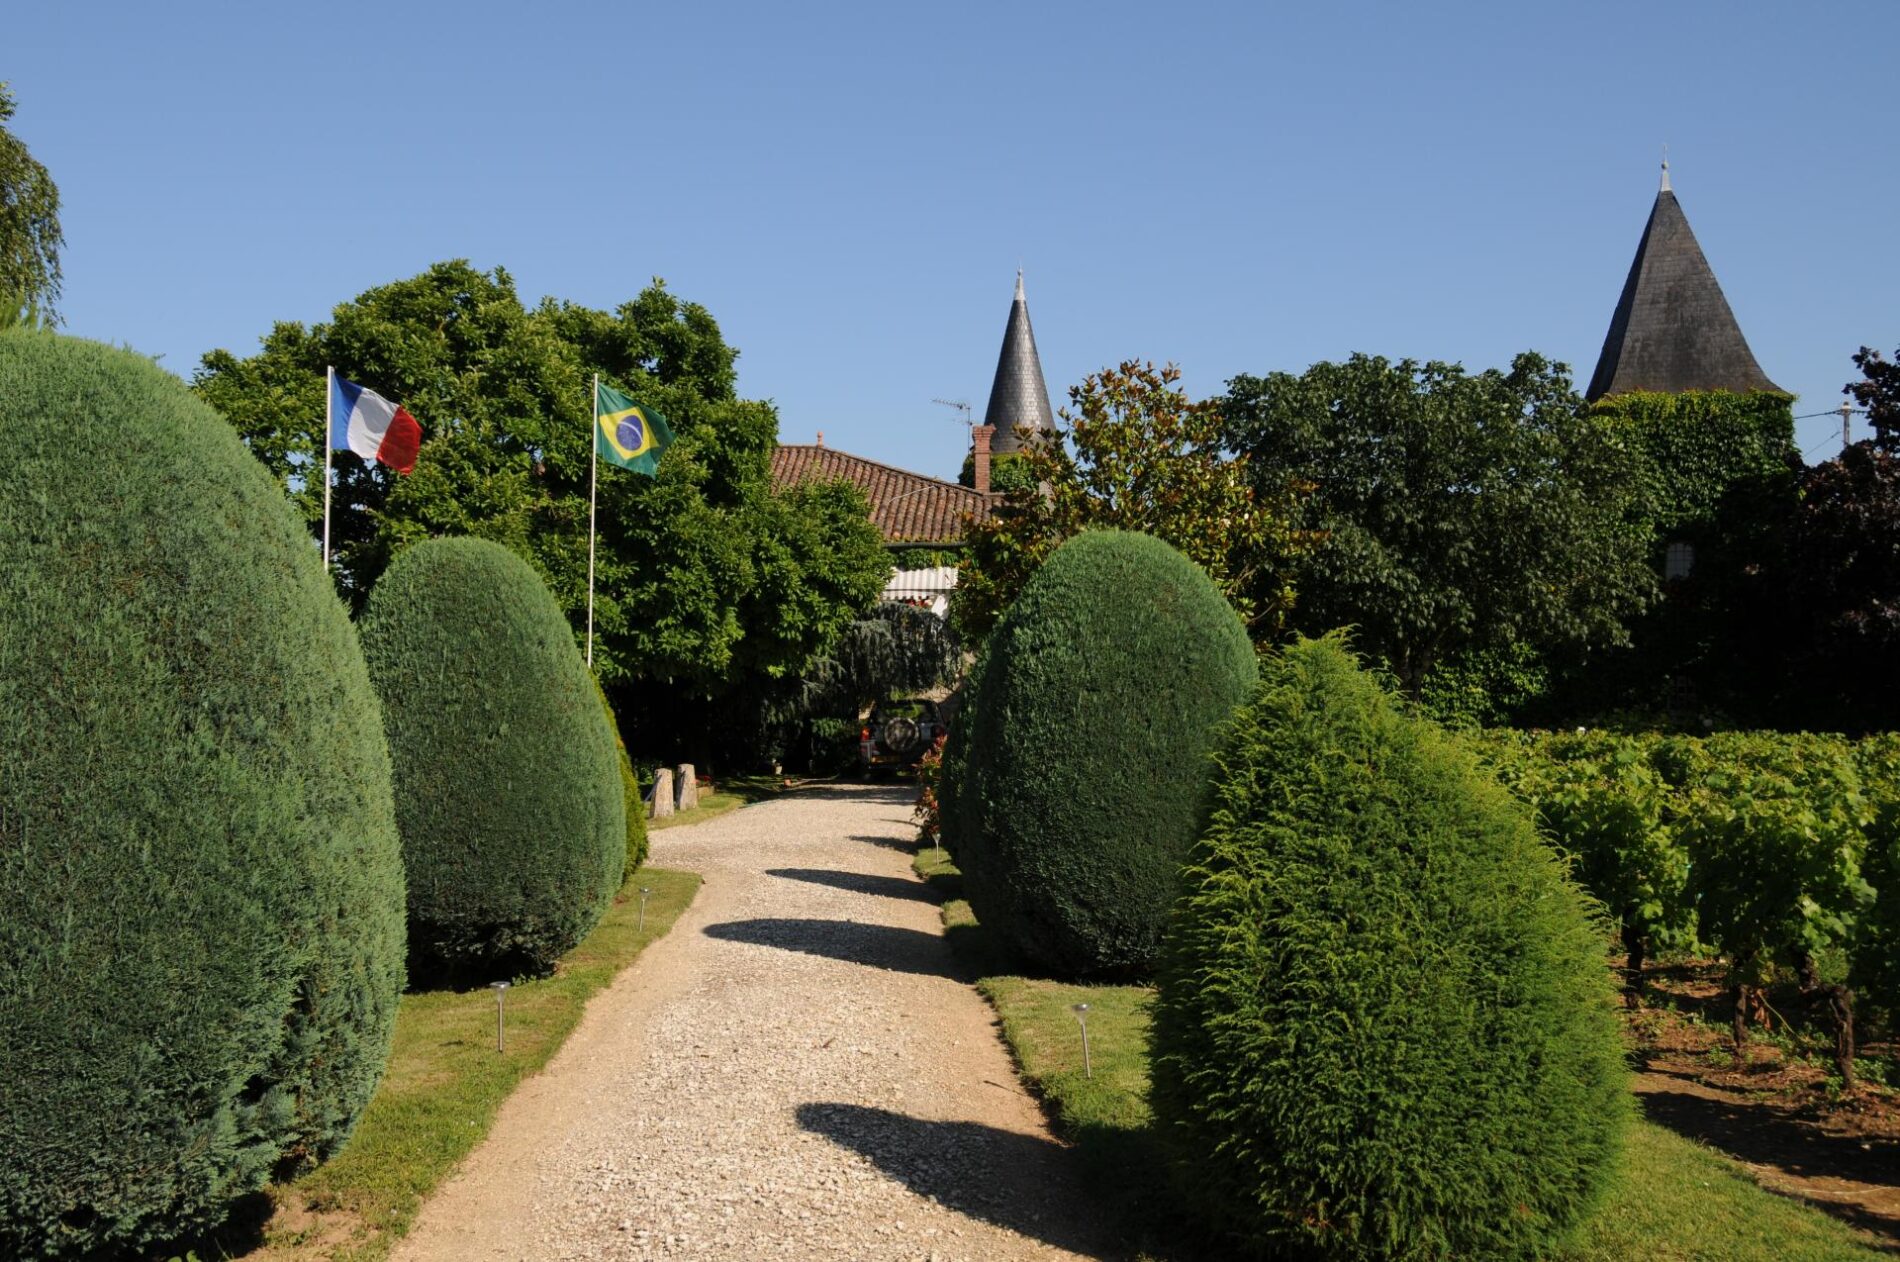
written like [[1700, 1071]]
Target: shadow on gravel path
[[857, 882], [956, 1164], [876, 946]]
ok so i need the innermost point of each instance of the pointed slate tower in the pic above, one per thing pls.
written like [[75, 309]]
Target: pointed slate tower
[[1018, 396], [1673, 330]]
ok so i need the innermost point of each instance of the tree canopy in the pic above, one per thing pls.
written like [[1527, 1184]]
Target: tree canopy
[[705, 574], [1451, 513], [1843, 570], [30, 237], [1146, 458]]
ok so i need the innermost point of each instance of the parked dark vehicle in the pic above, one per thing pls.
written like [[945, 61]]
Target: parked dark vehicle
[[898, 734]]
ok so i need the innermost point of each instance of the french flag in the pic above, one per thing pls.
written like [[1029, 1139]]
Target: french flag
[[366, 423]]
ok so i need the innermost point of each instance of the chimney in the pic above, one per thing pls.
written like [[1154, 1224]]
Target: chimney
[[980, 436]]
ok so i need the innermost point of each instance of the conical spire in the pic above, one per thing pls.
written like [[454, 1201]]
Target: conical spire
[[1673, 330], [1018, 396]]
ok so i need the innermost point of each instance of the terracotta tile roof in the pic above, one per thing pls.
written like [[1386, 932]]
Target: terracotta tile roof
[[907, 507]]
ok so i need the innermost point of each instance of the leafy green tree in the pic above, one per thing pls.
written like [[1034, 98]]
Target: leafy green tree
[[706, 576], [1146, 458], [811, 719], [1451, 513], [30, 238], [1843, 572]]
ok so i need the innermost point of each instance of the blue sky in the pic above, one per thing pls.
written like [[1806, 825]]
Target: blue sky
[[850, 189]]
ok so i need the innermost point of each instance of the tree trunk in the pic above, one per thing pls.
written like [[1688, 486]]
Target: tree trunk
[[1840, 1011], [1636, 943], [1841, 1001]]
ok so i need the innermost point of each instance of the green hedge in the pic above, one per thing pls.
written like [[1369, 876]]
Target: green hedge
[[1104, 689], [1774, 850], [201, 948], [508, 786], [1384, 1028], [631, 798]]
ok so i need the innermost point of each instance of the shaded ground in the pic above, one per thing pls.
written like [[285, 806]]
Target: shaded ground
[[1779, 1110]]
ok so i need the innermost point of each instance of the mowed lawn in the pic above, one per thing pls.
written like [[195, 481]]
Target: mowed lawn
[[1674, 1200]]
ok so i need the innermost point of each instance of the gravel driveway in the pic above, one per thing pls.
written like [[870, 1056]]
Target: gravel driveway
[[795, 1071]]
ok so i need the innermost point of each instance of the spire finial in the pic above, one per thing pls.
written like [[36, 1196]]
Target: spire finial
[[1665, 179], [1019, 284]]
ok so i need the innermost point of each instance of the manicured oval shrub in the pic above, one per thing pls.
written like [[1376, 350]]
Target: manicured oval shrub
[[1385, 1025], [1104, 689], [508, 789], [200, 887]]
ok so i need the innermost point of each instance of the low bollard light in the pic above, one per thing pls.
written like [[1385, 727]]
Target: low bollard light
[[1081, 1011], [500, 988], [642, 926]]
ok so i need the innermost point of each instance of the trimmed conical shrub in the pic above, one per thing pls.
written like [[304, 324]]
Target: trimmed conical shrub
[[200, 888], [1385, 1026], [1103, 690], [508, 788]]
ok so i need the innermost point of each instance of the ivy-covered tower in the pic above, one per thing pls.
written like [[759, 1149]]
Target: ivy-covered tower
[[1717, 463], [1673, 330], [1018, 397]]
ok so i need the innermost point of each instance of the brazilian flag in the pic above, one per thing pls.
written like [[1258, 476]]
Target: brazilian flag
[[627, 434]]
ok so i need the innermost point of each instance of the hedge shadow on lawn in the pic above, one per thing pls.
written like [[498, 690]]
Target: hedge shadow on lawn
[[978, 1171], [1751, 1134], [858, 882], [875, 946]]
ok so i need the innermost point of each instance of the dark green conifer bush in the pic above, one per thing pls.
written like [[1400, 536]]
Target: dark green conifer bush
[[1385, 1026], [200, 887], [630, 795], [508, 789], [1104, 689]]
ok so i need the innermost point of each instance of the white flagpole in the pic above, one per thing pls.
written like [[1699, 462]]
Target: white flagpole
[[593, 479], [329, 393]]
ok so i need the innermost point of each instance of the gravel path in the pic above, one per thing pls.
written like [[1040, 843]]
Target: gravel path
[[794, 1071]]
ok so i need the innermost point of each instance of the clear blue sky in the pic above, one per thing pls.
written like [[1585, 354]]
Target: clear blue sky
[[1237, 188]]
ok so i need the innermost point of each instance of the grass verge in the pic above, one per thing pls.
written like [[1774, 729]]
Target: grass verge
[[1674, 1200], [445, 1083], [712, 806]]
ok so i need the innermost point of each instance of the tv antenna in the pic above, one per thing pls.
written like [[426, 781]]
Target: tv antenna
[[963, 410]]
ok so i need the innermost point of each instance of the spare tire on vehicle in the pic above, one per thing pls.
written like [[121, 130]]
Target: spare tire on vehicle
[[900, 735]]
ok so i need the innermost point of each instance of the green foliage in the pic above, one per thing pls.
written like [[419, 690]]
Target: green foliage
[[1452, 513], [1775, 830], [1843, 572], [1104, 689], [201, 948], [508, 787], [1776, 850], [1697, 450], [1384, 1027], [630, 793], [1876, 970], [706, 576], [1603, 800], [890, 650], [30, 237], [1481, 687], [1146, 459], [1717, 471]]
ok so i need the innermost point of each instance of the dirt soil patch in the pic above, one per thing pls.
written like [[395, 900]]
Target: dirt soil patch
[[1779, 1109]]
